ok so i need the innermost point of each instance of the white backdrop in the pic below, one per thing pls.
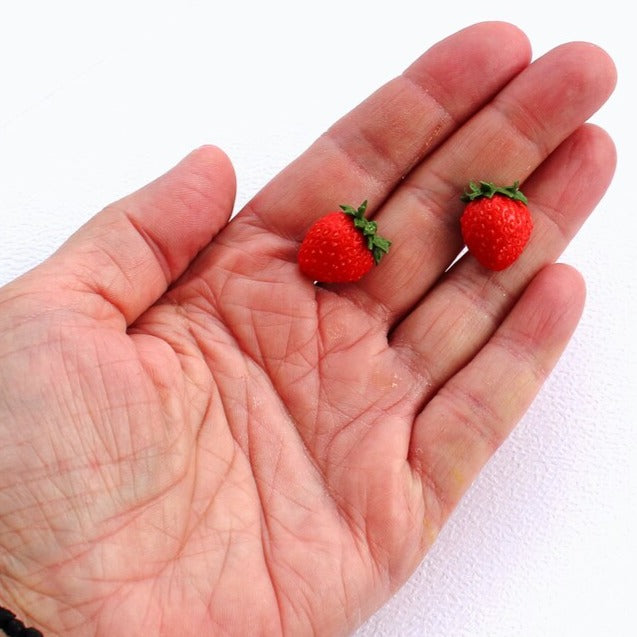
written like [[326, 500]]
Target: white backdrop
[[99, 98]]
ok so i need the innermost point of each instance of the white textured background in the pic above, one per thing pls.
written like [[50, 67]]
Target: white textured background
[[98, 98]]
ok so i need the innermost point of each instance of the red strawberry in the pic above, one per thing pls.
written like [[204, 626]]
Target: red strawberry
[[496, 224], [341, 246]]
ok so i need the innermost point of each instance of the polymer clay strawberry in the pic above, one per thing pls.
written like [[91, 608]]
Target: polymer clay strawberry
[[342, 246], [496, 223]]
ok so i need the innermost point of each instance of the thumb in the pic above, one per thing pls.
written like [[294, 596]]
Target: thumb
[[128, 254]]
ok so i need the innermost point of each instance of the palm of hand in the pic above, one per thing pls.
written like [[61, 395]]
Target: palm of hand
[[219, 441], [253, 454]]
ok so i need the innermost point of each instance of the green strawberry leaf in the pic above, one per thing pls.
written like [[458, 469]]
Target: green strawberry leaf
[[488, 189], [378, 245]]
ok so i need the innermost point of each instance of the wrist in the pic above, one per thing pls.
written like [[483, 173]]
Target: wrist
[[13, 626], [19, 606]]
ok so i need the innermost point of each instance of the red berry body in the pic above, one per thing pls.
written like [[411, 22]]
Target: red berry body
[[341, 247], [334, 251], [496, 229]]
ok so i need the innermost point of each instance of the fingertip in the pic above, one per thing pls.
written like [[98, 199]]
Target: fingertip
[[503, 28], [558, 292], [131, 251], [510, 38], [595, 55], [601, 147], [211, 174], [213, 157], [586, 64], [565, 280]]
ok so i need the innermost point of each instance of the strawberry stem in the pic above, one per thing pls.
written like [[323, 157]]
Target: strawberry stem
[[378, 245], [487, 189]]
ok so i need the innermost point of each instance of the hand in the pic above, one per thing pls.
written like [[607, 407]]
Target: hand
[[196, 440]]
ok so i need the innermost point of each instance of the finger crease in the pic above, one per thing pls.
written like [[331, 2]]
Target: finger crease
[[533, 133], [475, 414], [154, 246], [521, 347], [361, 166]]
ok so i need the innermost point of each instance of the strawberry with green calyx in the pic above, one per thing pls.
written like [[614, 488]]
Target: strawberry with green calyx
[[342, 246], [496, 223]]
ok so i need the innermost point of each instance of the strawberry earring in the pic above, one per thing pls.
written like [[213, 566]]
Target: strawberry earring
[[341, 246], [496, 223]]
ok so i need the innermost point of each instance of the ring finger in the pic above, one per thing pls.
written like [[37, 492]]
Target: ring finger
[[462, 311]]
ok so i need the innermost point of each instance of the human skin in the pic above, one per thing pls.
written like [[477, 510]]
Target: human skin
[[197, 440]]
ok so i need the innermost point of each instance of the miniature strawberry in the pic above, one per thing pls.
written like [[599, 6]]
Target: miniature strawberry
[[496, 224], [341, 246]]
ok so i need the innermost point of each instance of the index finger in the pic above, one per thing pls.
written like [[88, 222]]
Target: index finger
[[370, 149]]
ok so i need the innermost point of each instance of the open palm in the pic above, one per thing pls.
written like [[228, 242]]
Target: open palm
[[196, 440]]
